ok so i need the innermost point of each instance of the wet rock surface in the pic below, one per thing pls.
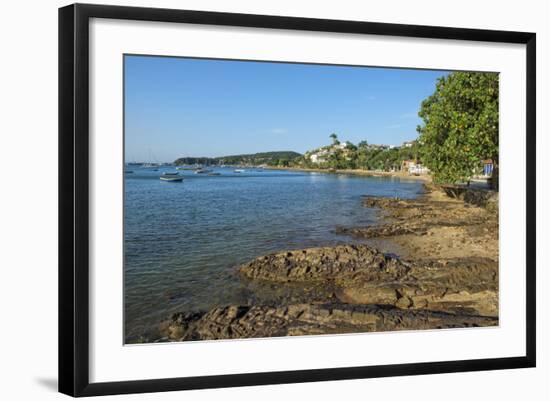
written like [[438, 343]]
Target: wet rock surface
[[445, 277]]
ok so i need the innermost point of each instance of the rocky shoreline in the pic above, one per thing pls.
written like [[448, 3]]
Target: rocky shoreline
[[446, 276]]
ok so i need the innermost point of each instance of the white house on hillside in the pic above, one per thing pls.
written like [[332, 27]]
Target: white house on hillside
[[321, 155]]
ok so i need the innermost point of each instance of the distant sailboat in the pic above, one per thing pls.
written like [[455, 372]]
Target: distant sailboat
[[153, 162]]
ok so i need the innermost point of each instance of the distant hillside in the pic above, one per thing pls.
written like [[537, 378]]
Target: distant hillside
[[282, 158]]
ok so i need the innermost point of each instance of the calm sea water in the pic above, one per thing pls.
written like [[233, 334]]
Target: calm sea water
[[183, 240]]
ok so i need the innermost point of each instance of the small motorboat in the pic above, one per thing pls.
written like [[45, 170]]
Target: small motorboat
[[239, 170], [202, 171], [173, 177]]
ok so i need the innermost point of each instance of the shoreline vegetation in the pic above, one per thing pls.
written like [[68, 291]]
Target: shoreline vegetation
[[429, 263], [360, 172]]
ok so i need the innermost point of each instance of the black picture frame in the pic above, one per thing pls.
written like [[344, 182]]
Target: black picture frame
[[74, 198]]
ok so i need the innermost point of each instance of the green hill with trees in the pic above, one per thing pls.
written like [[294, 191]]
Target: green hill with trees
[[280, 158], [361, 156]]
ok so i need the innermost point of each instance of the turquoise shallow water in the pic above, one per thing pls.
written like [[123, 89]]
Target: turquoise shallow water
[[183, 240]]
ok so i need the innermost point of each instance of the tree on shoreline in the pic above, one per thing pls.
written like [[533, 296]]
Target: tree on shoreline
[[460, 126]]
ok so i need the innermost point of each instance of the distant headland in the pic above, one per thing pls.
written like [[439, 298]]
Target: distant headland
[[254, 159]]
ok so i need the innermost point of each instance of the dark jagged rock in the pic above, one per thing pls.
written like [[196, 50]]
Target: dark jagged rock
[[381, 202], [340, 263], [307, 319], [476, 196], [386, 230]]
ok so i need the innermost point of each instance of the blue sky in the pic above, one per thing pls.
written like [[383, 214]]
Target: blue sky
[[189, 107]]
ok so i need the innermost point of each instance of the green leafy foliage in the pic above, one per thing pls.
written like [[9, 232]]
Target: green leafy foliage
[[460, 126]]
